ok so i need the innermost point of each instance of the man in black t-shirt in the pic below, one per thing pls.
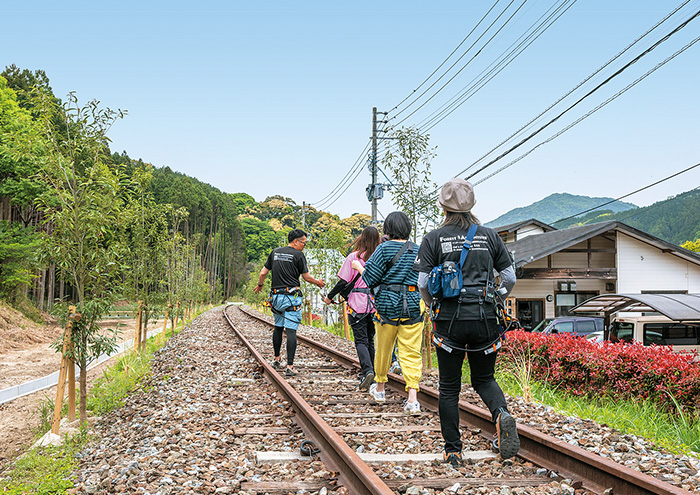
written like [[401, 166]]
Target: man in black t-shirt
[[287, 264]]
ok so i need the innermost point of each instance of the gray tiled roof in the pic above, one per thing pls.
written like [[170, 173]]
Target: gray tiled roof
[[534, 247]]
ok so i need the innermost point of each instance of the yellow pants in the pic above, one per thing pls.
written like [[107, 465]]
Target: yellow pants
[[409, 339]]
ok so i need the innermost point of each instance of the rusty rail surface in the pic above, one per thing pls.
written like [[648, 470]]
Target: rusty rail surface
[[335, 452], [593, 472]]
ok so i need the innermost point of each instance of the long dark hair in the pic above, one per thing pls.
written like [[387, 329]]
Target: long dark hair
[[366, 242], [462, 220]]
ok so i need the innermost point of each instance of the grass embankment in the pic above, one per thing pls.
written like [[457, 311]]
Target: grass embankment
[[678, 432], [48, 470]]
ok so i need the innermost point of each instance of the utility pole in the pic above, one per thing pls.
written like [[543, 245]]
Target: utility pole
[[375, 191], [374, 166], [303, 214]]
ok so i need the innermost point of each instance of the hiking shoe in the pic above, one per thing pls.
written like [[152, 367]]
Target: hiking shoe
[[507, 435], [277, 364], [367, 381], [412, 408], [290, 372], [395, 368], [453, 458], [378, 396]]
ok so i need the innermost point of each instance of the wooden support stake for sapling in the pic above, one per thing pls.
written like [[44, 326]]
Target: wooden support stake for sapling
[[137, 332], [60, 391], [177, 313], [346, 324], [165, 322]]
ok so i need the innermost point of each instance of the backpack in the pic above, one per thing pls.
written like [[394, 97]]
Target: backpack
[[446, 280]]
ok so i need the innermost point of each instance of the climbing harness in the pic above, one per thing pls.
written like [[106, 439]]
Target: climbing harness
[[289, 293], [506, 322], [402, 288]]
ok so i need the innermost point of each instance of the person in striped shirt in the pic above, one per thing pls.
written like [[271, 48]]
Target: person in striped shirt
[[397, 300]]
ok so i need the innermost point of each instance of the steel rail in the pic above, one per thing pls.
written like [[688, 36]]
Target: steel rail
[[336, 454], [595, 473]]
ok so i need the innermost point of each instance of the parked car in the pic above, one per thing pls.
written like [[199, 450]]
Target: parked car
[[656, 329], [578, 325]]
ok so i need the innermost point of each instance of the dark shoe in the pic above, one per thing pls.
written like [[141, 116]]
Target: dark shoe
[[290, 372], [367, 381], [507, 435], [453, 458], [277, 364]]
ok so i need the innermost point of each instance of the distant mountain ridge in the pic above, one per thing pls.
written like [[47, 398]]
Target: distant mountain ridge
[[557, 206], [675, 219]]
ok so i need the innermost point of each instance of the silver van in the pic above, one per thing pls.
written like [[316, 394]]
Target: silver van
[[657, 330], [575, 325]]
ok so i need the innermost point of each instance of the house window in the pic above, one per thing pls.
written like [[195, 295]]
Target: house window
[[564, 302]]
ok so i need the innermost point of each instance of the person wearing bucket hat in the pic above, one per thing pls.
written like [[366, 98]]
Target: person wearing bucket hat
[[468, 321]]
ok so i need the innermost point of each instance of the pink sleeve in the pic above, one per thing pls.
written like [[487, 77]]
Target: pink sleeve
[[346, 272]]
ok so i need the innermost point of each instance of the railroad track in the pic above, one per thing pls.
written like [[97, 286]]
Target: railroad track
[[377, 449]]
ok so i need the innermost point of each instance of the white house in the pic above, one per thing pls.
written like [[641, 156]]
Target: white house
[[559, 269]]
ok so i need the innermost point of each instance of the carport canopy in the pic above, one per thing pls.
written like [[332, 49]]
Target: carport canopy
[[677, 307]]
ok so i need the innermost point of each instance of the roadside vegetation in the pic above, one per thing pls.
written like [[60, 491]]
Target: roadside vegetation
[[48, 470], [643, 390]]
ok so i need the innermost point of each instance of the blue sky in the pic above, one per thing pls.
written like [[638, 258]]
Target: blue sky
[[275, 97]]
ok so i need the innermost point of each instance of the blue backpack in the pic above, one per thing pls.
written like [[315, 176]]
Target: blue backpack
[[445, 280]]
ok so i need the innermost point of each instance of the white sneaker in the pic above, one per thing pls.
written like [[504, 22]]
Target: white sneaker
[[412, 408], [378, 396]]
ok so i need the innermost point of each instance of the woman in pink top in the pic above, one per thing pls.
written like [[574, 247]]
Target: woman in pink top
[[360, 307]]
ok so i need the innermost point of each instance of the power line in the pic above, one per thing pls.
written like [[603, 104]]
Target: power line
[[619, 198], [447, 58], [507, 57], [463, 67], [589, 93], [588, 114], [535, 31], [347, 185], [633, 192], [593, 74], [342, 181]]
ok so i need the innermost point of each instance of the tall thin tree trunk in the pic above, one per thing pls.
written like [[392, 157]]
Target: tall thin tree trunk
[[52, 287], [42, 291], [83, 391]]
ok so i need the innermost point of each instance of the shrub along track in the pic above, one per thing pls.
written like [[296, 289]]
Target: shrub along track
[[198, 423]]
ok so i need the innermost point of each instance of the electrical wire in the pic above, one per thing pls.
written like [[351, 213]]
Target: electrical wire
[[535, 31], [347, 185], [593, 74], [495, 68], [460, 70], [585, 116], [619, 198], [341, 183], [447, 58]]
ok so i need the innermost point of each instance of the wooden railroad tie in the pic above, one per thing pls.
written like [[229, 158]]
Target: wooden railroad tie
[[370, 458], [434, 483], [267, 430]]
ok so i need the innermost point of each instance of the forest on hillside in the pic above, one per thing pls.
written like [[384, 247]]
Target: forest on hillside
[[79, 222], [675, 219], [557, 206]]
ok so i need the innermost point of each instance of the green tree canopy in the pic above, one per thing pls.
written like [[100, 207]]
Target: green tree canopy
[[260, 238]]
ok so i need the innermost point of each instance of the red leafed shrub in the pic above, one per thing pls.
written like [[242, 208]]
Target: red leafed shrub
[[616, 370]]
